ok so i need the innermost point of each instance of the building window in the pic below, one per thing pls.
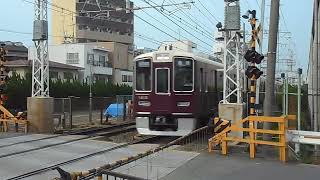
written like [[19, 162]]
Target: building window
[[68, 75], [90, 58], [129, 78], [102, 60], [72, 58], [53, 75], [124, 78]]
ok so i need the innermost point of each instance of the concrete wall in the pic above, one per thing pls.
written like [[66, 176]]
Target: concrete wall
[[119, 54], [118, 77], [103, 36]]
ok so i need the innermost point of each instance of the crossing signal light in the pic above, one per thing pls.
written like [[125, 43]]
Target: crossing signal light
[[253, 71], [253, 57]]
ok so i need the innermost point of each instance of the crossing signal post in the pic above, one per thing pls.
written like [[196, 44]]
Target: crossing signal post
[[253, 58]]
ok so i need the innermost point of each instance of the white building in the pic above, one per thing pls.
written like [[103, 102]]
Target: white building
[[97, 59]]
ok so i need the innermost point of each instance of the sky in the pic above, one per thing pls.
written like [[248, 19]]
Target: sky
[[202, 16]]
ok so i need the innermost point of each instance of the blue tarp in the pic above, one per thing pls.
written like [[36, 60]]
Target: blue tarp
[[114, 110]]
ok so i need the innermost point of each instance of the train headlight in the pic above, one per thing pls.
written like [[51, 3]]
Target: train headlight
[[144, 103], [183, 104]]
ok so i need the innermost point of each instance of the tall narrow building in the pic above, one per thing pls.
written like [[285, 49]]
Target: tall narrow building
[[82, 21]]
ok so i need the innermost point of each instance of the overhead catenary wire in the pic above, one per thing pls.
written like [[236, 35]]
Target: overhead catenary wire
[[154, 41], [214, 17], [209, 19], [178, 25], [197, 23], [207, 51], [164, 23], [163, 31]]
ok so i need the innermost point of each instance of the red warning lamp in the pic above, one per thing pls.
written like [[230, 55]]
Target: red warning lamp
[[253, 71], [253, 57]]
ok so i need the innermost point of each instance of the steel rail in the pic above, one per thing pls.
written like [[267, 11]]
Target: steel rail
[[91, 132], [96, 171], [33, 140], [50, 168], [74, 132]]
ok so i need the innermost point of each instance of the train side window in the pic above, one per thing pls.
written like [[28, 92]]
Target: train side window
[[201, 80], [183, 75], [213, 80], [143, 75], [205, 82]]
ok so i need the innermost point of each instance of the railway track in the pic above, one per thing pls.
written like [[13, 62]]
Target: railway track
[[50, 168], [90, 133]]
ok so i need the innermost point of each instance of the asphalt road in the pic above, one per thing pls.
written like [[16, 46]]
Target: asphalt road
[[216, 167]]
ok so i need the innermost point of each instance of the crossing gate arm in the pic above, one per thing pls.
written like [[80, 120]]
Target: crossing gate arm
[[303, 137]]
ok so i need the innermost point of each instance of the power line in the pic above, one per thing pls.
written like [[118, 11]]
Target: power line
[[194, 20], [248, 5], [208, 11], [160, 29], [204, 15], [19, 32], [154, 41], [72, 12], [177, 24], [258, 4], [168, 26]]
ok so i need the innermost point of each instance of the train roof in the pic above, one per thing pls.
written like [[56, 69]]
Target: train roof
[[175, 53]]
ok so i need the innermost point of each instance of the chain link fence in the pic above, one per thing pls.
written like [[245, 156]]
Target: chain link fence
[[73, 112]]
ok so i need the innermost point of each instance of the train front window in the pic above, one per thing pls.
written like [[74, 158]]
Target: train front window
[[183, 74], [143, 75], [162, 85]]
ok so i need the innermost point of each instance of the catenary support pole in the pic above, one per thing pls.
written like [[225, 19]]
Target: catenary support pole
[[297, 146]]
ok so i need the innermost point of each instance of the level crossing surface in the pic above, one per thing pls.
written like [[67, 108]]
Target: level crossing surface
[[214, 166]]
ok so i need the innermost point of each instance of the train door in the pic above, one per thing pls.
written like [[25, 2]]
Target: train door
[[162, 89]]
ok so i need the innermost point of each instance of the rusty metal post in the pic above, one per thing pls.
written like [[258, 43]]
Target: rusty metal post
[[101, 115], [100, 176], [70, 110], [124, 108]]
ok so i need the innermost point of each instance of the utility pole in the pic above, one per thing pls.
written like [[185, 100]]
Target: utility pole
[[90, 95], [315, 66], [263, 5], [40, 68], [271, 63]]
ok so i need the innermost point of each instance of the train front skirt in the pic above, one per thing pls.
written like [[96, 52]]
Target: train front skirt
[[185, 126]]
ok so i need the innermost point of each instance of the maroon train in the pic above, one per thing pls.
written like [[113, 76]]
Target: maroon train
[[174, 91]]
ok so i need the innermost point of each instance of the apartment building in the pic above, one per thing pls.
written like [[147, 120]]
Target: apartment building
[[83, 21], [93, 59], [103, 61], [15, 50], [57, 70]]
